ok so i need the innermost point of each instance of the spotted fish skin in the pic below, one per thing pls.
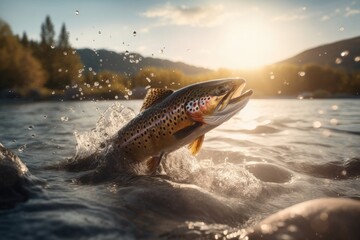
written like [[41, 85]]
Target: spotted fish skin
[[170, 120]]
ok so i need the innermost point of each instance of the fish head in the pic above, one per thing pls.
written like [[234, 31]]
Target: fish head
[[214, 102]]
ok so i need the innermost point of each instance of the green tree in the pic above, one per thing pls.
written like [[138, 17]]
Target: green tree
[[63, 41], [47, 32], [61, 63], [25, 40]]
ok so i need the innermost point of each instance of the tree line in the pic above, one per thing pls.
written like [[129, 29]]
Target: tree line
[[51, 68]]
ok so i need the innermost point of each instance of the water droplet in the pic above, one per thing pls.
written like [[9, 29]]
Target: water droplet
[[343, 172], [96, 84], [52, 46], [116, 97], [326, 133], [316, 124], [53, 92], [341, 29], [338, 60], [357, 59], [59, 70], [99, 32], [76, 12], [127, 53], [45, 116], [22, 148], [31, 127], [134, 33], [33, 135], [301, 74], [65, 53], [344, 53], [64, 119], [334, 107], [334, 121]]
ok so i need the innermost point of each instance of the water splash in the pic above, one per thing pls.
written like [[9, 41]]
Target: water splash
[[64, 118], [225, 179], [108, 124], [344, 53]]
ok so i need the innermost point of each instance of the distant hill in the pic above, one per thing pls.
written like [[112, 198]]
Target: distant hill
[[338, 54], [130, 63]]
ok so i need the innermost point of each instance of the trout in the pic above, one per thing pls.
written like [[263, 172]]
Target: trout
[[171, 119]]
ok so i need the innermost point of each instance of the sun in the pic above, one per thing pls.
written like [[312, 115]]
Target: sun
[[249, 44]]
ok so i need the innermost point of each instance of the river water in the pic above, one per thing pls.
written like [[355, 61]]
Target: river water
[[273, 154]]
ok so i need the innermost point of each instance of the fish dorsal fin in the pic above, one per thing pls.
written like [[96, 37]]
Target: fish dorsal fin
[[154, 96], [196, 145]]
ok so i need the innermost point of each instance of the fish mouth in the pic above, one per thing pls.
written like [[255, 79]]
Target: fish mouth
[[233, 101]]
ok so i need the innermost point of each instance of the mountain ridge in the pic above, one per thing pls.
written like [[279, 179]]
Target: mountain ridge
[[131, 63], [339, 54]]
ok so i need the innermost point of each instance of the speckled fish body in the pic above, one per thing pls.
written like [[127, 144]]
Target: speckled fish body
[[169, 120]]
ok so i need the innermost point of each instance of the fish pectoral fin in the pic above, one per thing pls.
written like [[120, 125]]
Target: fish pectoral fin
[[186, 131], [153, 163], [196, 145], [154, 96]]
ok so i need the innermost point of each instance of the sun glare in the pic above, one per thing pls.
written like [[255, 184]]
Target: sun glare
[[249, 45]]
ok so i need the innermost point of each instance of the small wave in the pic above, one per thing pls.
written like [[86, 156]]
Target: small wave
[[343, 131], [338, 170]]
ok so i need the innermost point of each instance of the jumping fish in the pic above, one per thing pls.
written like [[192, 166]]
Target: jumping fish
[[171, 119]]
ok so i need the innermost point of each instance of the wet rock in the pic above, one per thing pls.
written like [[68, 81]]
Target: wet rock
[[13, 178], [328, 218]]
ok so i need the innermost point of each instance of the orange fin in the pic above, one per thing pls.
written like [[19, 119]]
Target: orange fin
[[196, 145], [153, 163], [154, 96]]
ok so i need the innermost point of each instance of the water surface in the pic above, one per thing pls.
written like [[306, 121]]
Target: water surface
[[273, 154]]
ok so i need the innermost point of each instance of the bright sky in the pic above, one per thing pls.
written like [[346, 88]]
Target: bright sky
[[214, 34]]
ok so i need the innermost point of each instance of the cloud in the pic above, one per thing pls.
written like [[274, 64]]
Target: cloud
[[298, 14], [325, 18], [289, 17], [351, 11], [206, 16]]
